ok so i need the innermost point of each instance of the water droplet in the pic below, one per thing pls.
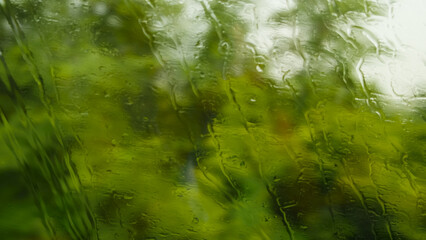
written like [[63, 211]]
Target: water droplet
[[223, 47]]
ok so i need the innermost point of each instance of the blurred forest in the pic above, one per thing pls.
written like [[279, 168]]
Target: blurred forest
[[198, 119]]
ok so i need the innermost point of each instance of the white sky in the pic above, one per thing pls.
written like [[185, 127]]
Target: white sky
[[405, 28], [409, 23]]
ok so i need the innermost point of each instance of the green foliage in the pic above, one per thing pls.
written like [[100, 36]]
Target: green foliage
[[164, 120]]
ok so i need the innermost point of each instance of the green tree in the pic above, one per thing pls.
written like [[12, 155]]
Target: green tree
[[166, 120]]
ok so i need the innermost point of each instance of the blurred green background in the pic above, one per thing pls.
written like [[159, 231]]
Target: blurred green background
[[201, 119]]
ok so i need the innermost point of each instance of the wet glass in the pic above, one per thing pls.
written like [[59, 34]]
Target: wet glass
[[212, 119]]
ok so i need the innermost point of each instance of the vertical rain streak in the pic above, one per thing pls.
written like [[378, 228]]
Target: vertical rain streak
[[42, 155]]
